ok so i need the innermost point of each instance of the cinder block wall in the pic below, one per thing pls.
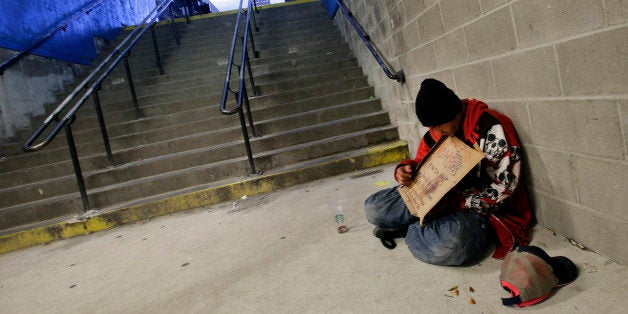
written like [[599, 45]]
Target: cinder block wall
[[558, 68]]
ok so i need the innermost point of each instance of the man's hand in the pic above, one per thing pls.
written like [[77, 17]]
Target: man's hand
[[404, 174]]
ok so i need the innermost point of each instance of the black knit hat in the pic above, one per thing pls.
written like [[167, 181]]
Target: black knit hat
[[436, 104]]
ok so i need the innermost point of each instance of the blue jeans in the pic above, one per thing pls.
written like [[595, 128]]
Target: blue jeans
[[454, 239]]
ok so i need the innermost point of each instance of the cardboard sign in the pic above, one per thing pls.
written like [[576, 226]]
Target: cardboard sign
[[441, 169]]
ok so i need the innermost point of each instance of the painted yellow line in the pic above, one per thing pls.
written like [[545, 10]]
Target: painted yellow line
[[376, 156]]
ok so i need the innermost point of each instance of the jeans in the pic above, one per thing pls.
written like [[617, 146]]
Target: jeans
[[454, 239]]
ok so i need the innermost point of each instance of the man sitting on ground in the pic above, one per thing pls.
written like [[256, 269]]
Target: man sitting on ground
[[490, 201]]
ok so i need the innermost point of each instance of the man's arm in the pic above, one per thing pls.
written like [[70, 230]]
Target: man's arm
[[503, 166], [406, 169]]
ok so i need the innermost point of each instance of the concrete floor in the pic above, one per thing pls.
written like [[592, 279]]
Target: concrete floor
[[277, 253]]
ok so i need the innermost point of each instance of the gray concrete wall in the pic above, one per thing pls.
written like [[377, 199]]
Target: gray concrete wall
[[558, 68], [25, 87]]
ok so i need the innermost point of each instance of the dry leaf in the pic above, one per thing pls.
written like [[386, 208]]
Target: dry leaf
[[576, 243], [471, 289], [455, 292], [471, 301], [453, 288]]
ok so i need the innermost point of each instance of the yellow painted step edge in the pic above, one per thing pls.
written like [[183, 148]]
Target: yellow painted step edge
[[375, 156]]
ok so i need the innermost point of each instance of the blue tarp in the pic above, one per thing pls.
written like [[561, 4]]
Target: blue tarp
[[331, 6], [27, 22]]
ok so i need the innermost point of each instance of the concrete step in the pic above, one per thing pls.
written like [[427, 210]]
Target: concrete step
[[88, 121], [167, 182], [170, 115], [164, 33], [224, 36], [210, 94], [198, 24], [227, 20], [274, 87], [202, 52], [147, 53], [296, 63], [120, 80], [126, 132], [291, 24], [209, 75], [122, 85], [290, 73], [211, 64], [163, 30], [297, 48], [211, 84], [121, 91], [191, 149], [308, 92], [305, 12]]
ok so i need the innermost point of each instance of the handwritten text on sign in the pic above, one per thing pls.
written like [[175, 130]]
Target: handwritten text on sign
[[442, 170]]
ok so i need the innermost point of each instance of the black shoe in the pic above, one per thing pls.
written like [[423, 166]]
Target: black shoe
[[388, 235]]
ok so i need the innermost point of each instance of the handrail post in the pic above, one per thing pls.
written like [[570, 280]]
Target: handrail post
[[248, 66], [247, 143], [187, 11], [103, 127], [253, 16], [77, 167], [255, 52], [248, 112], [129, 78], [174, 27], [152, 32]]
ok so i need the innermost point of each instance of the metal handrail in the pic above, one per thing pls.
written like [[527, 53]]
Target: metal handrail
[[61, 26], [122, 52], [28, 146], [400, 76], [243, 68]]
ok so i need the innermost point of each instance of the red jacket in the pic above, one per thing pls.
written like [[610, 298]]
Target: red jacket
[[497, 189]]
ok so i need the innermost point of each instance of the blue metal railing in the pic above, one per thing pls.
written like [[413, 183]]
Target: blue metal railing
[[399, 76], [121, 52], [243, 68]]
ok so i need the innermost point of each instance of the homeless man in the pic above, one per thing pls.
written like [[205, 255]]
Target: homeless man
[[490, 202]]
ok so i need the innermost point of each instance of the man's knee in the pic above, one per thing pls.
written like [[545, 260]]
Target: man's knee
[[432, 250], [456, 243], [373, 210]]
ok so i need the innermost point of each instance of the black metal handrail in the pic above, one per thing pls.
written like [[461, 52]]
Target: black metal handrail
[[122, 51], [61, 26], [244, 67], [399, 76]]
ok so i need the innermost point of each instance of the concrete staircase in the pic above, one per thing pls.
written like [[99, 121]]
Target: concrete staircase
[[315, 107]]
